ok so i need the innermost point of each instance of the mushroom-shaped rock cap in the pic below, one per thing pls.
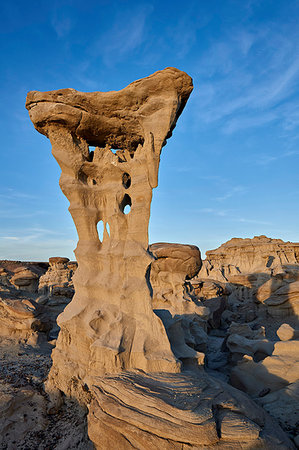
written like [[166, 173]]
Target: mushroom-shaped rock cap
[[177, 258], [117, 118], [58, 260]]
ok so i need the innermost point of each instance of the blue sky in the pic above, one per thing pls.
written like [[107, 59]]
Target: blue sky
[[231, 167]]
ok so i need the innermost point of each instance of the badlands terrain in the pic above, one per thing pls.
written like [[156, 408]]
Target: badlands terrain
[[138, 346], [241, 328]]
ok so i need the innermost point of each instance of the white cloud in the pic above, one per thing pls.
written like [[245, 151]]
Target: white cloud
[[125, 36], [249, 79]]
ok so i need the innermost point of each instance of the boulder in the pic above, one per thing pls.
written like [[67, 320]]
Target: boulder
[[25, 279], [176, 258], [284, 301], [286, 333]]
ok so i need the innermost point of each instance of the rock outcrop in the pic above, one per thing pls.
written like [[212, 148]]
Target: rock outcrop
[[114, 354], [260, 279], [129, 128], [32, 295], [258, 255]]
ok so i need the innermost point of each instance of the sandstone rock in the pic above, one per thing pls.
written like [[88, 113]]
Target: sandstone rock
[[283, 405], [174, 264], [56, 285], [25, 279], [260, 254], [243, 329], [175, 302], [286, 333], [274, 372], [176, 258], [284, 301], [16, 419], [243, 346], [140, 411], [112, 292], [113, 353], [19, 317]]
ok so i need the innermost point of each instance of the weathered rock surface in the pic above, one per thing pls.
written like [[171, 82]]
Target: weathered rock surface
[[286, 333], [177, 411], [260, 278], [31, 297], [260, 254], [24, 422], [113, 353], [273, 382]]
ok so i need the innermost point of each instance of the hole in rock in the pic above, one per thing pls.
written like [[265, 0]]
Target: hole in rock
[[108, 228], [126, 204], [94, 182], [126, 180], [270, 261], [100, 228], [91, 153]]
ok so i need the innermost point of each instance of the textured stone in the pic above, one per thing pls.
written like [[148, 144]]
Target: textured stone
[[113, 353], [286, 333], [260, 254]]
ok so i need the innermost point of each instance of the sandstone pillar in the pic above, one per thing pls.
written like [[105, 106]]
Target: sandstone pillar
[[110, 325]]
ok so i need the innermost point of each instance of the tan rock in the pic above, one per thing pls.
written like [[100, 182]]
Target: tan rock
[[153, 411], [284, 301], [242, 345], [177, 258], [113, 353], [274, 372], [111, 289], [286, 333], [25, 279], [260, 254], [56, 285]]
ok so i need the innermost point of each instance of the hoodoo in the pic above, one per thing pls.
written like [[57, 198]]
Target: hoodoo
[[113, 353]]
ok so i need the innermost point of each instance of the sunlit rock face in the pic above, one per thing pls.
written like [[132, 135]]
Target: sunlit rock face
[[110, 325], [113, 353]]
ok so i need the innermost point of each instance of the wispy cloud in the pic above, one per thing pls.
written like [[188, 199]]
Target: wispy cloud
[[123, 37], [232, 216], [9, 194], [61, 25], [12, 238], [215, 211], [248, 79], [264, 159], [236, 190]]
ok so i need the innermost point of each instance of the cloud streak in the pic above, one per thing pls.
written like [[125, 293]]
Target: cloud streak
[[124, 37], [248, 79]]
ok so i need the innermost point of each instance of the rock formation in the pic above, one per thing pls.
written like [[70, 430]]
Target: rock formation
[[260, 279], [113, 353], [258, 255], [111, 307], [31, 297]]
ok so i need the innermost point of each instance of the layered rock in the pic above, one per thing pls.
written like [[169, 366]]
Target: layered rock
[[112, 301], [260, 276], [273, 382], [175, 301], [260, 254], [31, 297], [113, 352]]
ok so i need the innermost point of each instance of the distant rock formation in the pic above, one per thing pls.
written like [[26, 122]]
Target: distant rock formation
[[237, 256], [114, 354], [259, 279], [32, 295]]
